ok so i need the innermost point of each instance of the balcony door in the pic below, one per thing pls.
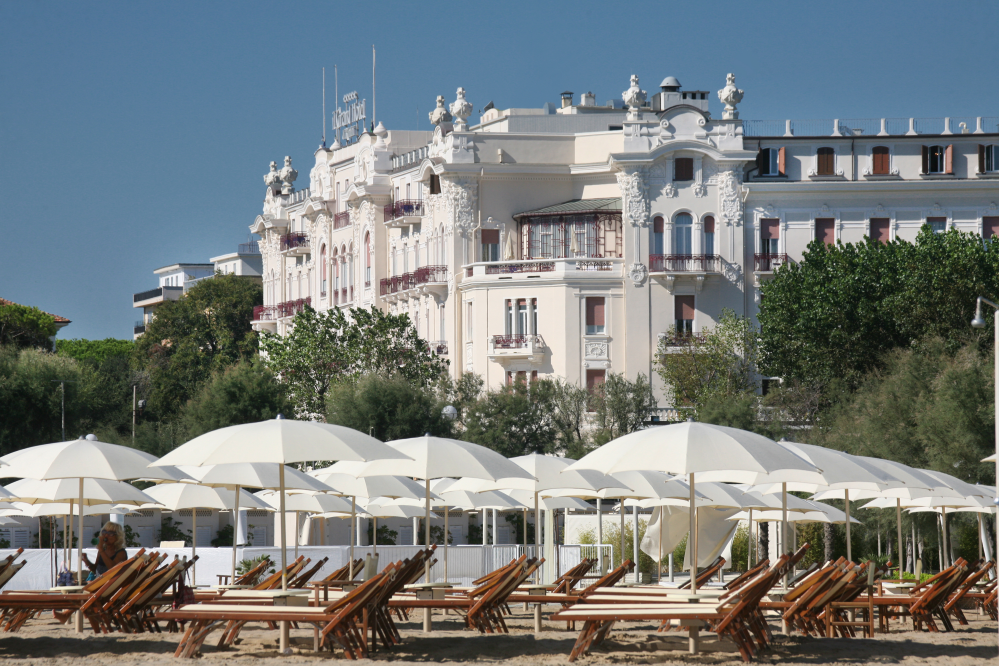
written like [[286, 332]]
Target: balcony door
[[683, 240]]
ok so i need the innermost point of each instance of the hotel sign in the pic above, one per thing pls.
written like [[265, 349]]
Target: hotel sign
[[348, 123]]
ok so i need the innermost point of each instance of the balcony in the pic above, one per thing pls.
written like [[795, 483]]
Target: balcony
[[156, 296], [343, 296], [138, 329], [404, 212], [517, 347], [341, 220], [439, 347], [427, 278], [684, 263], [275, 312], [582, 268], [249, 248], [768, 263], [295, 243]]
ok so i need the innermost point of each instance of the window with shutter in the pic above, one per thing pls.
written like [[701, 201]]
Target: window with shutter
[[949, 159], [882, 161], [926, 159], [827, 162], [981, 159], [709, 235], [490, 245], [825, 230], [770, 162], [769, 235], [938, 224], [990, 227], [936, 159], [435, 184], [781, 170], [683, 168], [595, 315], [683, 312], [879, 229], [594, 382], [657, 236]]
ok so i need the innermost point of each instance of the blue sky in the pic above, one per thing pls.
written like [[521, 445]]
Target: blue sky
[[135, 135]]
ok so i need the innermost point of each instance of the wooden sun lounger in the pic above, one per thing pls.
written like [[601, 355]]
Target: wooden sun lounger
[[734, 617], [136, 614], [706, 575]]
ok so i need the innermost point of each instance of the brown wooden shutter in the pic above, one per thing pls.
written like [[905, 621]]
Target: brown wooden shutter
[[825, 230], [981, 158], [595, 379], [827, 162], [490, 236], [657, 225], [683, 307], [683, 168], [990, 227], [709, 224], [949, 159], [926, 159], [781, 162], [879, 229], [769, 228], [882, 160], [595, 311]]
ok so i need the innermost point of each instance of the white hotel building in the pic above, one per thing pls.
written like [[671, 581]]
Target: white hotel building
[[568, 241]]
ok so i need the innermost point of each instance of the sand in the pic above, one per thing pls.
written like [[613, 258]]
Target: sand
[[45, 641]]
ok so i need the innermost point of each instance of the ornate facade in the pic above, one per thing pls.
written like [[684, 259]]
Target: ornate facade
[[569, 241]]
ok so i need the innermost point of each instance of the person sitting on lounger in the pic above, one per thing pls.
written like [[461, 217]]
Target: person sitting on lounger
[[110, 549]]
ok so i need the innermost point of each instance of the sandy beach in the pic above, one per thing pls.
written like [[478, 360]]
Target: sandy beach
[[46, 641]]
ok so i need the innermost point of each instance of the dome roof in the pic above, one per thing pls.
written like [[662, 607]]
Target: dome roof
[[669, 81]]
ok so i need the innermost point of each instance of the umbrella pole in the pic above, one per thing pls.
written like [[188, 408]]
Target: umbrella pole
[[283, 643], [634, 539], [692, 538], [783, 528], [297, 528], [525, 528], [375, 540], [537, 537], [426, 531], [446, 534], [979, 535], [749, 550], [235, 533], [946, 538], [194, 547], [66, 527], [353, 519], [898, 519], [621, 511], [849, 545], [600, 538], [79, 559]]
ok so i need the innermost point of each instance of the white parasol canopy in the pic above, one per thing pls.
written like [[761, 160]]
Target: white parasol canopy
[[342, 478], [253, 475], [280, 441], [434, 457], [95, 491]]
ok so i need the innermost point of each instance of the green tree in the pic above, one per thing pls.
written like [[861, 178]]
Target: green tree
[[244, 393], [96, 351], [926, 407], [622, 406], [515, 420], [25, 326], [387, 407], [195, 336], [31, 397], [325, 348], [838, 312], [718, 364], [569, 419]]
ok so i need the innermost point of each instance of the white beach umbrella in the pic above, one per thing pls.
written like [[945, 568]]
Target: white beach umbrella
[[990, 459], [308, 502], [181, 496], [279, 441], [238, 475], [487, 499], [435, 457], [342, 478], [525, 497], [63, 509], [713, 453], [78, 459], [710, 494], [95, 491]]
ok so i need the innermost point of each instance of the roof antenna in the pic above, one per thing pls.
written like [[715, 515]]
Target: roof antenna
[[324, 107], [374, 97]]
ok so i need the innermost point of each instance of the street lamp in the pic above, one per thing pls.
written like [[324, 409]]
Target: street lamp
[[450, 413], [979, 322]]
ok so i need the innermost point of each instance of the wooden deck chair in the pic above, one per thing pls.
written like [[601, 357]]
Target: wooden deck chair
[[567, 581], [304, 577], [706, 574], [252, 577]]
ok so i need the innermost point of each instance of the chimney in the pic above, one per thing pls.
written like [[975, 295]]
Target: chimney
[[588, 99], [566, 99]]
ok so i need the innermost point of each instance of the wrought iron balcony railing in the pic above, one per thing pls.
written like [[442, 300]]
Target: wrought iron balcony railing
[[765, 263], [683, 263], [294, 240], [404, 208]]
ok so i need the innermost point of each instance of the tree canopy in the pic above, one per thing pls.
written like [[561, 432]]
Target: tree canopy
[[193, 337], [97, 351], [325, 348], [835, 314], [25, 326]]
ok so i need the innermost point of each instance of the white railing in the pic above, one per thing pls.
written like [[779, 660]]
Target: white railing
[[873, 126], [575, 267]]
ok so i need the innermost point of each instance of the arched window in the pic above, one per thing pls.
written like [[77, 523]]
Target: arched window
[[367, 260], [658, 244], [336, 273], [709, 235], [881, 158], [826, 162], [322, 270], [683, 234]]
